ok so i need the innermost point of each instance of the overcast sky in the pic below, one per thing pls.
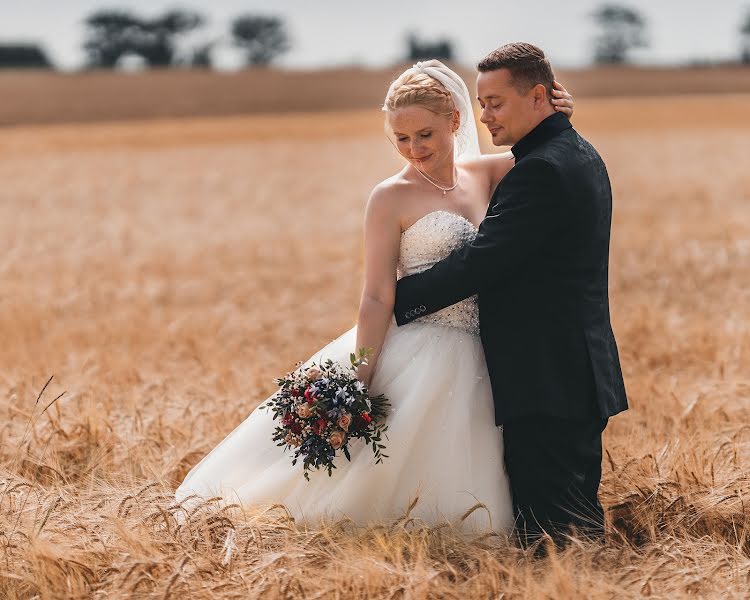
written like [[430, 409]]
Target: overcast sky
[[338, 32]]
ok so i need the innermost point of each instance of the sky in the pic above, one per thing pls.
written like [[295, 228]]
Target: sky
[[329, 33]]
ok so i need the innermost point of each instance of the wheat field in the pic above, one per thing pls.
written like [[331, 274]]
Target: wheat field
[[157, 275], [42, 97]]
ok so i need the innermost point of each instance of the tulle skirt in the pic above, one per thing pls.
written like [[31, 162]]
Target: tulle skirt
[[443, 445]]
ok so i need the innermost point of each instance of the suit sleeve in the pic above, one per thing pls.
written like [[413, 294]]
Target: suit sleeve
[[530, 209]]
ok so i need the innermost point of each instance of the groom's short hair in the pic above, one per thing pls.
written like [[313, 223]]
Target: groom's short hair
[[527, 64]]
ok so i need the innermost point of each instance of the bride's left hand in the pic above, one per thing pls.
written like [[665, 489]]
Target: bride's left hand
[[562, 100]]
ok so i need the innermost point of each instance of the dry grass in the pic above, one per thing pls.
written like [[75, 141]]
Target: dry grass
[[38, 97], [165, 272]]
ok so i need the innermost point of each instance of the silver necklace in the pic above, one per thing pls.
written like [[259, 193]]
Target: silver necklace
[[440, 187]]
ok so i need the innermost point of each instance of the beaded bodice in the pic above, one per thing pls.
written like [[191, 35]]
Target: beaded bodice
[[429, 240]]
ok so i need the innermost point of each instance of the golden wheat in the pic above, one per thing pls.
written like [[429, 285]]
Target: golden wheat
[[164, 273]]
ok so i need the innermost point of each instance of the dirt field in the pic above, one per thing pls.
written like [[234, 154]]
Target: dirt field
[[164, 272], [36, 97]]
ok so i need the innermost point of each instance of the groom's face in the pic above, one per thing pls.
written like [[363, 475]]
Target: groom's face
[[508, 114]]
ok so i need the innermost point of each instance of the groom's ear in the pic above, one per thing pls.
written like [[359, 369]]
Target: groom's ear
[[541, 97]]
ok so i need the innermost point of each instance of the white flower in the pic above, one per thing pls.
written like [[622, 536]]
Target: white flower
[[342, 396]]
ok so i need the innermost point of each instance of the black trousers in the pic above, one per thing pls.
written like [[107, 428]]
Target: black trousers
[[555, 466]]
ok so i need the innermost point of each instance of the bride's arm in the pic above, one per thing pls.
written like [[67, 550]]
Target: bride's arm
[[382, 238], [492, 168]]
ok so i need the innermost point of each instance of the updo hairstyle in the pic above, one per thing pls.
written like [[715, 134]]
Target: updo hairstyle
[[422, 90]]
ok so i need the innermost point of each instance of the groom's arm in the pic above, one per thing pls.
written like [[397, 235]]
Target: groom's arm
[[531, 208]]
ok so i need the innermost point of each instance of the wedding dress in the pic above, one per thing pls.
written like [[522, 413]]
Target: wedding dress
[[442, 445]]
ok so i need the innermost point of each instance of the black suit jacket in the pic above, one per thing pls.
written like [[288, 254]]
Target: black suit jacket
[[540, 267]]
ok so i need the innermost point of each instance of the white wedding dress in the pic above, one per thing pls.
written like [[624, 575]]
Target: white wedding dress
[[442, 442]]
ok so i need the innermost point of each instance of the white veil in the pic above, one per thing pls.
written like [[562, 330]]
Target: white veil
[[467, 137]]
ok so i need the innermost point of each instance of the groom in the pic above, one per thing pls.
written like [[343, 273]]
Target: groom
[[539, 265]]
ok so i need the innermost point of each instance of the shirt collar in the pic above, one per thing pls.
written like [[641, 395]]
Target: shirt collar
[[546, 130]]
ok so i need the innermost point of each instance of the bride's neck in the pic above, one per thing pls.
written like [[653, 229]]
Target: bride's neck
[[442, 175]]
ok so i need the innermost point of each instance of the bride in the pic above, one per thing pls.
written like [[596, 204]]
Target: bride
[[443, 446]]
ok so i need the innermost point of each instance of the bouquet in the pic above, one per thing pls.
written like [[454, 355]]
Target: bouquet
[[322, 408]]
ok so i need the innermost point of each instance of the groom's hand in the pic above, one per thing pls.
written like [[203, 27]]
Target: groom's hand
[[561, 99]]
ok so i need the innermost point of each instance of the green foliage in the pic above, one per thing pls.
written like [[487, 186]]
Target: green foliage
[[113, 34], [745, 31], [262, 38], [621, 30], [23, 56]]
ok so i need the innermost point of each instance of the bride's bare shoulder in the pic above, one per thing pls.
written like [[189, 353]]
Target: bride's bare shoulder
[[387, 196], [394, 185]]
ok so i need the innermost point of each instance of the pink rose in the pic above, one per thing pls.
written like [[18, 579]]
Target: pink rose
[[313, 373], [304, 411], [337, 438], [344, 421]]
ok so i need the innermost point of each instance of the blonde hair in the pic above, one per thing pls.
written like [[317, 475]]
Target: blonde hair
[[422, 90]]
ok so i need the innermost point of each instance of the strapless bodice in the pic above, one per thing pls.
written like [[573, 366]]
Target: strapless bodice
[[430, 239]]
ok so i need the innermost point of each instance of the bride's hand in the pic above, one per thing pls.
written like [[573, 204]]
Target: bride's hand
[[561, 99]]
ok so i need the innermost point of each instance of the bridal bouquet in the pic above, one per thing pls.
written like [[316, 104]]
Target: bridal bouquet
[[322, 408]]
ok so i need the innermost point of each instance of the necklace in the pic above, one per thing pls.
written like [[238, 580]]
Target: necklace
[[443, 189]]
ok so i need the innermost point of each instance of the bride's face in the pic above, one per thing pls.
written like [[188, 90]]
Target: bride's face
[[421, 136]]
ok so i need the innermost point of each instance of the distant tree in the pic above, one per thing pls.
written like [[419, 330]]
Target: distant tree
[[157, 39], [202, 56], [622, 29], [23, 56], [109, 36], [113, 34], [421, 50], [745, 31], [262, 39]]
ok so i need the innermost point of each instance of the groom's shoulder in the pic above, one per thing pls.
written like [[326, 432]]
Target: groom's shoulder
[[567, 148]]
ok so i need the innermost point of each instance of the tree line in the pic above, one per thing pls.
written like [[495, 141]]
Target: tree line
[[114, 36]]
